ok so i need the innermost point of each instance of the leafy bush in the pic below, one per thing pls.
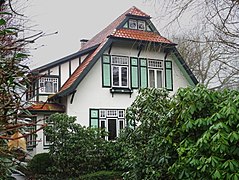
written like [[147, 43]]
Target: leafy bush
[[192, 135], [206, 134], [102, 175], [75, 150], [143, 156], [40, 164]]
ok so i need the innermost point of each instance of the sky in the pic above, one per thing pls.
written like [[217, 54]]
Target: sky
[[74, 20]]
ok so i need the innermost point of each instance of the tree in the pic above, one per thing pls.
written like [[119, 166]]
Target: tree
[[13, 80], [217, 22], [208, 61]]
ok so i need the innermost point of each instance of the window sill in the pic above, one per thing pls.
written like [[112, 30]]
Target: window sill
[[121, 91], [46, 146]]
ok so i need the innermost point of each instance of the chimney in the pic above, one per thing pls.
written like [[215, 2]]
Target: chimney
[[82, 42]]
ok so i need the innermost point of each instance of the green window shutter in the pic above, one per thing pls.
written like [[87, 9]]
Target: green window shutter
[[94, 118], [106, 78], [143, 73], [134, 73], [168, 75]]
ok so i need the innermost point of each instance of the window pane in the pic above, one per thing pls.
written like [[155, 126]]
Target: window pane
[[49, 87], [121, 124], [55, 87], [102, 124], [115, 76], [141, 25], [151, 78], [132, 24], [159, 79], [124, 76], [121, 113]]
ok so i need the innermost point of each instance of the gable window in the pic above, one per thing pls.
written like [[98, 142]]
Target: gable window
[[141, 25], [48, 85], [111, 120], [137, 24], [133, 24]]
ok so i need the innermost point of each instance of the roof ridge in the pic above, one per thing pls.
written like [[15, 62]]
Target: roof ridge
[[108, 30]]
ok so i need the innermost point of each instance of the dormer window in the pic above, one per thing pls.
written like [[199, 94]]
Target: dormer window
[[137, 24], [132, 24], [141, 25]]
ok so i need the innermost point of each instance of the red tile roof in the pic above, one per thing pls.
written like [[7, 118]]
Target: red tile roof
[[98, 38], [137, 12], [111, 31], [80, 69], [41, 106], [140, 35]]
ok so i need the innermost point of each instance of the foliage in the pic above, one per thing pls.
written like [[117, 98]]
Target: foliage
[[75, 150], [192, 135], [102, 175], [13, 81], [206, 134], [40, 163], [12, 78], [147, 152]]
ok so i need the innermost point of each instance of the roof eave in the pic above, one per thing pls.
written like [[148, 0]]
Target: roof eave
[[184, 64], [65, 59], [135, 16], [73, 87], [162, 43]]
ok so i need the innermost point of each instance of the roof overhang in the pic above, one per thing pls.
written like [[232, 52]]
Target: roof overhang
[[65, 59]]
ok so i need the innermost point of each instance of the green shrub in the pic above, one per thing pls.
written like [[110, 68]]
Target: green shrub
[[40, 163], [102, 175], [76, 150], [191, 135]]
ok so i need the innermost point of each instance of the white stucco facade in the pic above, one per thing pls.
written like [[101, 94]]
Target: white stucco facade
[[100, 81], [90, 93]]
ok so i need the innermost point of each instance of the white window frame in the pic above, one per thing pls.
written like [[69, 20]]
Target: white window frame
[[110, 115], [31, 137], [119, 62], [119, 114], [42, 84], [120, 76], [133, 21], [106, 127], [118, 126], [102, 114], [156, 65], [45, 142], [156, 78], [143, 23]]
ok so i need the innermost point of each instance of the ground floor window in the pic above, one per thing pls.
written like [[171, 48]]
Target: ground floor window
[[112, 120], [31, 135], [46, 141]]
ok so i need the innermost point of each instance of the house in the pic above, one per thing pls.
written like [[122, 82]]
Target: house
[[97, 83]]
